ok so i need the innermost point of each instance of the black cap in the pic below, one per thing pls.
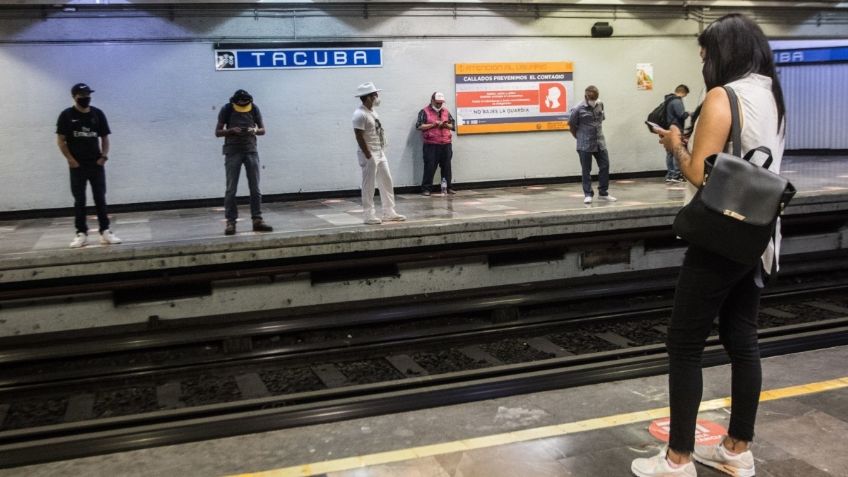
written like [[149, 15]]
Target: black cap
[[80, 88], [241, 95]]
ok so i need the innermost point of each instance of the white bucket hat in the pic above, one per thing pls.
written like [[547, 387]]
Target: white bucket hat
[[366, 88]]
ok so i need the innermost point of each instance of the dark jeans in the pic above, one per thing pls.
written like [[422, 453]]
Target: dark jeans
[[602, 158], [436, 155], [96, 176], [671, 169], [711, 285], [233, 163]]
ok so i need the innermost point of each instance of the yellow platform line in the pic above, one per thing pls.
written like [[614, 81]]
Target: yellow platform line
[[463, 445]]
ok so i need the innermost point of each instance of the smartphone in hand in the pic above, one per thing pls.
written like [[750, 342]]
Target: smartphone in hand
[[652, 127]]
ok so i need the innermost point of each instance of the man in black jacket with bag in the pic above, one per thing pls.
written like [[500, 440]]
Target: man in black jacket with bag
[[675, 114]]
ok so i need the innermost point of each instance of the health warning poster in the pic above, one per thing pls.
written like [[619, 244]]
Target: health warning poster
[[513, 97]]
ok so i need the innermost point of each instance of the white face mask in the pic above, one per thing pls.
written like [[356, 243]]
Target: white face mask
[[376, 102], [592, 102], [437, 107]]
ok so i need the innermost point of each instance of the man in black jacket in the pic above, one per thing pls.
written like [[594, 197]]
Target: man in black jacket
[[675, 114]]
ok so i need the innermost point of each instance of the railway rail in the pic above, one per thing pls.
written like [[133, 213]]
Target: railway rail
[[113, 394]]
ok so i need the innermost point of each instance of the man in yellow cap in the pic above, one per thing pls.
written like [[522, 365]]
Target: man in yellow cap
[[239, 122]]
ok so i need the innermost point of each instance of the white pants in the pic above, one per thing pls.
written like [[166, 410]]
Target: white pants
[[376, 171]]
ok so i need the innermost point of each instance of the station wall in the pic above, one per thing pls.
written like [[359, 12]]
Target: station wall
[[154, 77]]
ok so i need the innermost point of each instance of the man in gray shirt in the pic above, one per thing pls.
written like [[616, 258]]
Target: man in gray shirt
[[584, 122], [239, 122]]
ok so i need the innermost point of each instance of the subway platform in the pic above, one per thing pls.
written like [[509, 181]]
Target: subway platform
[[330, 235]]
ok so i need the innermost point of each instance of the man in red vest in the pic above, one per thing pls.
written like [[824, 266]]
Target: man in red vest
[[436, 123]]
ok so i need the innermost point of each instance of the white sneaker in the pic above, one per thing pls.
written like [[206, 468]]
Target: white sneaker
[[658, 466], [608, 198], [394, 217], [717, 457], [587, 199], [80, 240], [373, 221], [108, 238]]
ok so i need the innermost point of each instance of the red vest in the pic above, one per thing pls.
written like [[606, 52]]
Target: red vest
[[436, 135]]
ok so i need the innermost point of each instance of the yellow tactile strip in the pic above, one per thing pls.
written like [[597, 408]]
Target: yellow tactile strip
[[349, 463]]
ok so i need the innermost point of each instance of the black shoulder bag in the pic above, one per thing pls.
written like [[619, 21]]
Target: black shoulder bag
[[734, 213]]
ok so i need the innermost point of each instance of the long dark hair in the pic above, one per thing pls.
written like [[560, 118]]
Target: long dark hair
[[734, 46]]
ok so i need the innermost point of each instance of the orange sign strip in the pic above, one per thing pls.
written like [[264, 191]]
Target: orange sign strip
[[512, 127], [503, 68]]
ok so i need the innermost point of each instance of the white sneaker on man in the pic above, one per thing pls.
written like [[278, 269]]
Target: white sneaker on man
[[108, 238], [608, 198], [718, 457], [373, 221], [80, 240], [587, 199], [395, 217], [658, 466]]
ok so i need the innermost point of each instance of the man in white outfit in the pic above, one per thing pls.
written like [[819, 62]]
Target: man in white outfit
[[375, 167]]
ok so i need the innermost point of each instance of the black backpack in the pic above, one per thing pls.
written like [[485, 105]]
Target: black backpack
[[660, 114]]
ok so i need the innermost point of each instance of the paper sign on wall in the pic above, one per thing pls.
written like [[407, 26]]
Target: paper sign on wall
[[644, 76]]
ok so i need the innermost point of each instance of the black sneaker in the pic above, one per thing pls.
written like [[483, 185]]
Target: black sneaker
[[230, 229], [260, 226]]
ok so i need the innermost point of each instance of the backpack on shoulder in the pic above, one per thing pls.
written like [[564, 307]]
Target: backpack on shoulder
[[659, 115]]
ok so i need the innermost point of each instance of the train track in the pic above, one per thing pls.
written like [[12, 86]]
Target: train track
[[183, 385]]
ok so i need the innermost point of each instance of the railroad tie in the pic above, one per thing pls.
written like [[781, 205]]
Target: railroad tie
[[168, 395], [480, 356], [80, 408], [251, 386], [406, 365], [546, 346], [777, 313], [615, 339], [330, 375], [827, 307]]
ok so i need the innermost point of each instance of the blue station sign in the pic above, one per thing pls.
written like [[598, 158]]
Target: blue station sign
[[811, 55], [300, 57]]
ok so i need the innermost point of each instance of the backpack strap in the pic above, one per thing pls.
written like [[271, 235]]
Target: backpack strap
[[735, 122], [228, 112]]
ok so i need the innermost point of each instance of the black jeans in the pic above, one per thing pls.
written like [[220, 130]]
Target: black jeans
[[711, 285], [96, 176], [436, 155]]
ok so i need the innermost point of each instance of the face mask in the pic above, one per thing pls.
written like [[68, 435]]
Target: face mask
[[83, 102], [592, 102], [376, 102], [437, 107]]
